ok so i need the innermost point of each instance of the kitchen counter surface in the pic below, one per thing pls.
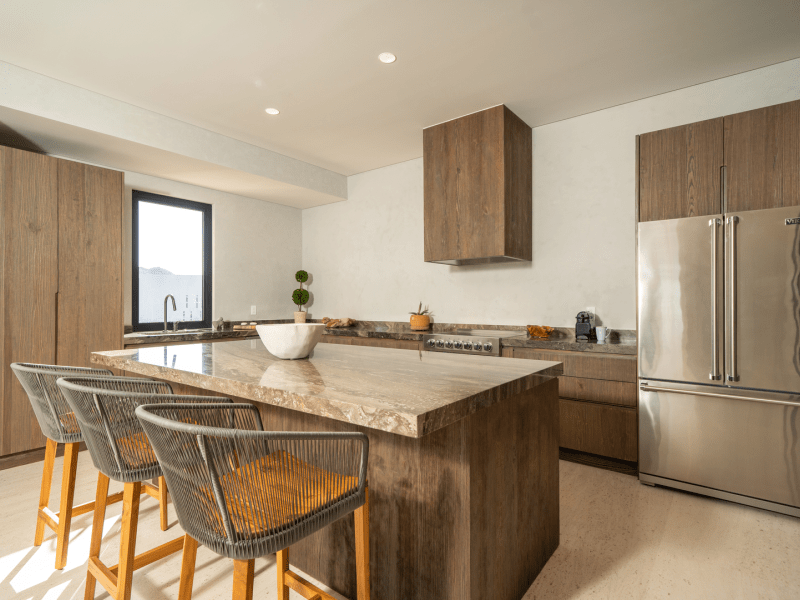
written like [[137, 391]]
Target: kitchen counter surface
[[613, 346], [134, 339], [621, 342], [397, 391]]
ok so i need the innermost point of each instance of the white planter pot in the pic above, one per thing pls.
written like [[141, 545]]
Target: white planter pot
[[300, 316]]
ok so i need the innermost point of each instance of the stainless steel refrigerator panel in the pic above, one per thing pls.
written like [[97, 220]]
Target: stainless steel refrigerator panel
[[720, 438], [680, 279], [763, 299]]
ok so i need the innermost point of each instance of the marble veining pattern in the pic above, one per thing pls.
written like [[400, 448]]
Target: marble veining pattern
[[399, 391]]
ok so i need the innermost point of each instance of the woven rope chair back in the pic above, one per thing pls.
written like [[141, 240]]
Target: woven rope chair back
[[54, 415], [244, 492]]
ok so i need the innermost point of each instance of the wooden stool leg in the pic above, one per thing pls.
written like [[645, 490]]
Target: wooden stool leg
[[44, 494], [243, 573], [97, 531], [362, 549], [127, 540], [187, 567], [67, 494], [162, 502], [282, 558]]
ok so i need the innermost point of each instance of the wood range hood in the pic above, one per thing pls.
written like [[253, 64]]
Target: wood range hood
[[478, 189]]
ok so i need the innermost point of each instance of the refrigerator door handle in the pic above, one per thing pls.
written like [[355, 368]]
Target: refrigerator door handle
[[732, 373], [654, 388], [714, 375]]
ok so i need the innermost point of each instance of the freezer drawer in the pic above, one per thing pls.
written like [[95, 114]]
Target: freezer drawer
[[680, 322], [724, 439]]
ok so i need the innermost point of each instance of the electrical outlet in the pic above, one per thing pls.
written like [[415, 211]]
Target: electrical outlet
[[253, 309], [591, 312], [252, 344]]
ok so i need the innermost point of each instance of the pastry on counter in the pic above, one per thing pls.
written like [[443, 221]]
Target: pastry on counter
[[337, 323], [540, 331]]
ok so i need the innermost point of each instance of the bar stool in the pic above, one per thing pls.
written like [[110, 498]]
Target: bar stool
[[104, 408], [58, 424], [244, 492]]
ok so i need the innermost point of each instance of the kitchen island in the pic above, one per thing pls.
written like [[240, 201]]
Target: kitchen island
[[463, 460]]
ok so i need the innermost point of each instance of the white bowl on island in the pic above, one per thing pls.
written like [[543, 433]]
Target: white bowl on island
[[290, 340]]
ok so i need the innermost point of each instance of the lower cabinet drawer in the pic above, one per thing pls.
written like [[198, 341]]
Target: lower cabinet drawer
[[599, 429], [597, 390]]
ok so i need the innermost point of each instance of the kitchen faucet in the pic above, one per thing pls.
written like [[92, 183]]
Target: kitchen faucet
[[174, 307]]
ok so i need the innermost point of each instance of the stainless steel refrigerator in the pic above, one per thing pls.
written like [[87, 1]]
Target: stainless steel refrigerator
[[719, 356]]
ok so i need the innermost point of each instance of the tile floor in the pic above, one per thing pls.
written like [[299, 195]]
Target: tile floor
[[619, 540]]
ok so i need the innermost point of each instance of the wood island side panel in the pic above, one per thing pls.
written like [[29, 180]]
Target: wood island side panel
[[468, 512]]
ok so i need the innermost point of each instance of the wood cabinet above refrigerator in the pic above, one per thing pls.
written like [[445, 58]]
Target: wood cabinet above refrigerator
[[478, 189], [762, 158], [680, 170]]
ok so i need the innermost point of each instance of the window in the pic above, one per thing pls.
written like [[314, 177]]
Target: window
[[171, 255]]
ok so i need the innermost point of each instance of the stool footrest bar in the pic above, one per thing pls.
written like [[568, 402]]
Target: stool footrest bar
[[305, 588]]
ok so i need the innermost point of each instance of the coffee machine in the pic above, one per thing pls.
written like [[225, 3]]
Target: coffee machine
[[584, 329]]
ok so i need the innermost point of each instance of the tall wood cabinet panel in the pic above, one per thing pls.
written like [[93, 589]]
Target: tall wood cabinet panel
[[679, 171], [60, 274], [90, 287], [29, 229], [762, 156]]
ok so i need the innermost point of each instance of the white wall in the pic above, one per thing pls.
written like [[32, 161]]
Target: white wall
[[366, 254], [257, 249]]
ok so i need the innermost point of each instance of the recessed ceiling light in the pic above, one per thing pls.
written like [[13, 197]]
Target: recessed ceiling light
[[272, 111], [387, 57]]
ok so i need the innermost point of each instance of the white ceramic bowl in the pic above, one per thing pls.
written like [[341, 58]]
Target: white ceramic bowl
[[290, 340]]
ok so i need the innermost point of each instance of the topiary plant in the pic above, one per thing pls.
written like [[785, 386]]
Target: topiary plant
[[300, 296]]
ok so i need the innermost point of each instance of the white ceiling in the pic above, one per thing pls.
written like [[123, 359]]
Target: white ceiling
[[217, 65]]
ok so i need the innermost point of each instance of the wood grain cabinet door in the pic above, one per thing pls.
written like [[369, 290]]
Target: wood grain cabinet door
[[478, 188], [762, 156], [28, 285], [680, 171], [90, 270]]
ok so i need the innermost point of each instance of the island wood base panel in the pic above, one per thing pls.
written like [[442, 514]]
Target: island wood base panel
[[468, 512]]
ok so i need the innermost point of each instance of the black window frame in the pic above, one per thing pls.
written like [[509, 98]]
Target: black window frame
[[140, 196]]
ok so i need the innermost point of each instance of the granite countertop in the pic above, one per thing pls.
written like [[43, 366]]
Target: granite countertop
[[134, 339], [612, 346], [398, 391], [563, 338]]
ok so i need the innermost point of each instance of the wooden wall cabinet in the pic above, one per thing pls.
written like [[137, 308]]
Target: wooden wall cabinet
[[680, 173], [478, 181], [597, 399], [762, 156], [60, 274]]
